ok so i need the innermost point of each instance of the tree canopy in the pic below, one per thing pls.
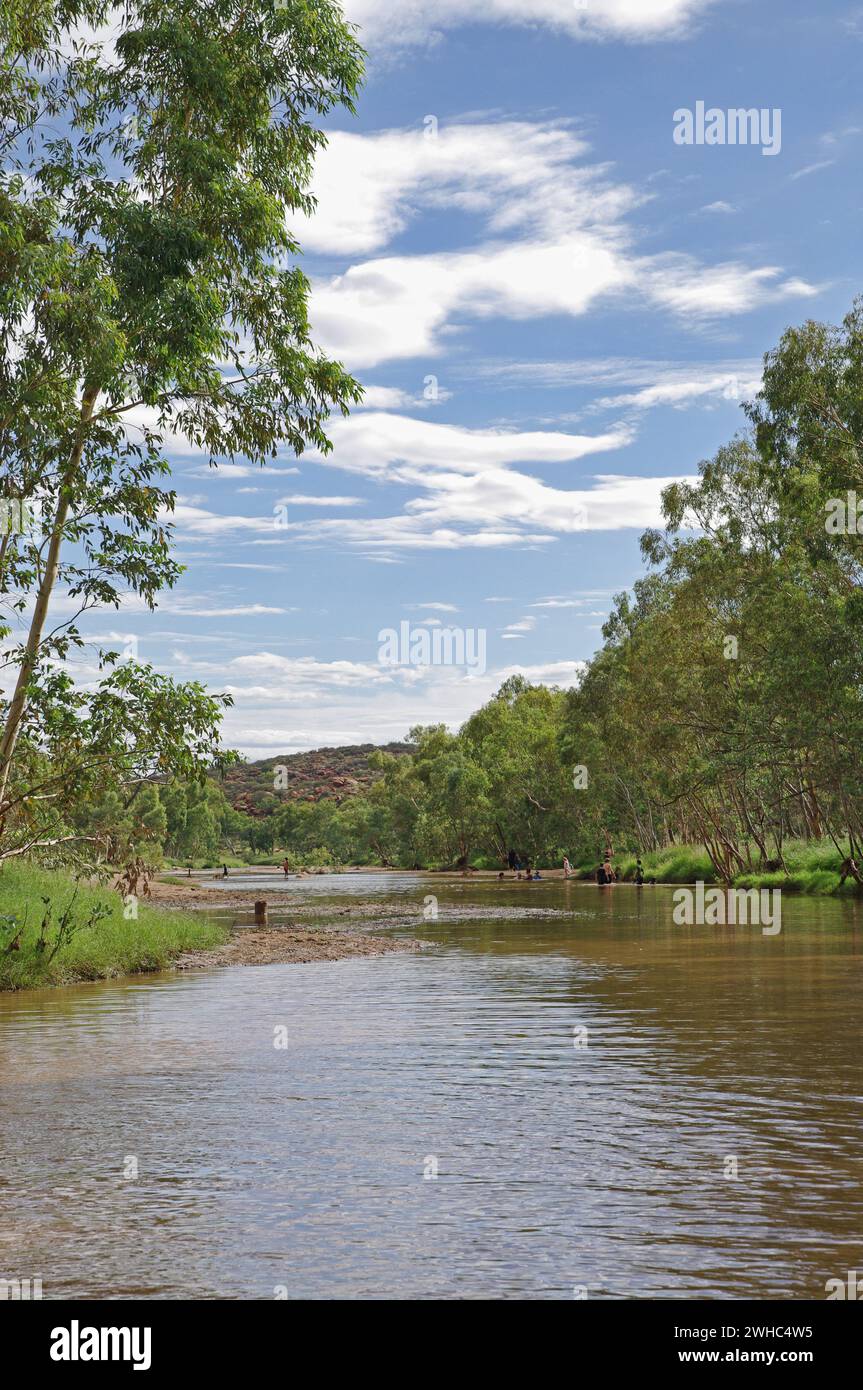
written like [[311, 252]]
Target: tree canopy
[[153, 158]]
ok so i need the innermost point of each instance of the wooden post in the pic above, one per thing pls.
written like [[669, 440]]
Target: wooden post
[[261, 914]]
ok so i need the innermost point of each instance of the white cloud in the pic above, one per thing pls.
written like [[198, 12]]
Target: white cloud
[[560, 603], [471, 493], [552, 239], [131, 605], [686, 387], [405, 306], [498, 497], [229, 472], [678, 385], [515, 175], [616, 371], [385, 398], [296, 675], [469, 479], [812, 169], [522, 626], [385, 25], [695, 291], [834, 137], [396, 447], [298, 499], [200, 522], [415, 533], [245, 610]]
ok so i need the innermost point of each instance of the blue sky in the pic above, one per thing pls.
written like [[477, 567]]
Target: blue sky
[[592, 300]]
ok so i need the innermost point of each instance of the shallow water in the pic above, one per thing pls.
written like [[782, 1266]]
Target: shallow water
[[317, 885], [558, 1166]]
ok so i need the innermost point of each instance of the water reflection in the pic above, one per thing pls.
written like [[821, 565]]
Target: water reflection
[[558, 1165]]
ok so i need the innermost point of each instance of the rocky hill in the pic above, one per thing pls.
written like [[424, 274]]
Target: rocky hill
[[323, 772]]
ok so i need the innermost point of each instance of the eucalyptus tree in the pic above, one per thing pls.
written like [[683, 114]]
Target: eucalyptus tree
[[154, 155], [514, 739]]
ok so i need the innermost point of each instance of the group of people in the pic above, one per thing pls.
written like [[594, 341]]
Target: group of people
[[286, 869], [523, 871], [605, 874]]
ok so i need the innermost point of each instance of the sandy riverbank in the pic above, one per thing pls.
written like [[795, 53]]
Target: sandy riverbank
[[282, 942], [285, 946]]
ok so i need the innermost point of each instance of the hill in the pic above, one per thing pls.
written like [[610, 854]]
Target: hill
[[323, 772]]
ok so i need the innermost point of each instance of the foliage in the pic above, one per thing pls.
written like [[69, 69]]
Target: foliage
[[148, 285]]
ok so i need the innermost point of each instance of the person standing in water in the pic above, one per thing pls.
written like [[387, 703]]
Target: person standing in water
[[567, 867], [286, 866]]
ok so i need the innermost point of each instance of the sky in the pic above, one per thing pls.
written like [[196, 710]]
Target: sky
[[556, 309]]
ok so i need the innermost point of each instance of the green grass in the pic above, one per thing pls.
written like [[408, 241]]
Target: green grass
[[813, 867], [681, 864], [96, 950]]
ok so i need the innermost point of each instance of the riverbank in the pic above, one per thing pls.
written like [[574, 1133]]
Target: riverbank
[[288, 946], [54, 931]]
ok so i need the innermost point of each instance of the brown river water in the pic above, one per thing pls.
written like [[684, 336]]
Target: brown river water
[[583, 1086]]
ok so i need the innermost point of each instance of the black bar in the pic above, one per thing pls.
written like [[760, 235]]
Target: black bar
[[614, 1335]]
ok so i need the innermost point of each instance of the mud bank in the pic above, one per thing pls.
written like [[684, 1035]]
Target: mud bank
[[288, 946]]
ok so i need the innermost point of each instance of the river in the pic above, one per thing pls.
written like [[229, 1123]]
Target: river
[[597, 1104]]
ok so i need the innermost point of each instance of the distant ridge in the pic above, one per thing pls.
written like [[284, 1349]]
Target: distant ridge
[[334, 773]]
